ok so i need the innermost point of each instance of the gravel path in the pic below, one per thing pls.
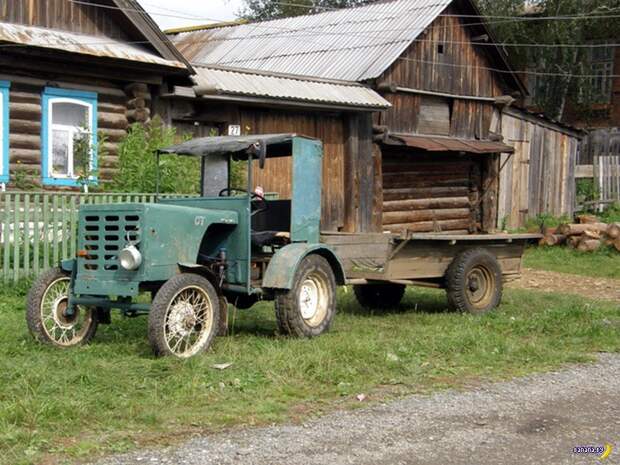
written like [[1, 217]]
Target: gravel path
[[532, 420]]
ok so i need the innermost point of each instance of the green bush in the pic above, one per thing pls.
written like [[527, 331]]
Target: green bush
[[138, 162], [586, 190], [611, 214]]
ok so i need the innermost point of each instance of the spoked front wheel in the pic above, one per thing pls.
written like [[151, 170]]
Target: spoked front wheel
[[49, 318], [184, 316]]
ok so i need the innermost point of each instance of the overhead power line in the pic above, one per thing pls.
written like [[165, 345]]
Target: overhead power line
[[524, 18], [183, 15]]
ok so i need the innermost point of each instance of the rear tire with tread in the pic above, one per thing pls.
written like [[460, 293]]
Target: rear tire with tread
[[474, 282]]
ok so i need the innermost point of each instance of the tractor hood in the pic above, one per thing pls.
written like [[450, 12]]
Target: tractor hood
[[164, 235]]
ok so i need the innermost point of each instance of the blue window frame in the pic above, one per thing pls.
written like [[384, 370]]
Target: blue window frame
[[69, 116], [4, 131]]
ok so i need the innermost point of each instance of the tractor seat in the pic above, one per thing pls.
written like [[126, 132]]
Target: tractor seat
[[263, 238]]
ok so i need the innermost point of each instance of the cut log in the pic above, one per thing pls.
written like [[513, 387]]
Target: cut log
[[553, 239], [613, 230], [429, 226], [425, 204], [617, 244], [588, 245], [591, 234], [573, 241], [587, 219], [425, 215], [578, 229], [25, 110]]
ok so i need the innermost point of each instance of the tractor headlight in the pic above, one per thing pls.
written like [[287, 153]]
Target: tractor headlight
[[130, 258]]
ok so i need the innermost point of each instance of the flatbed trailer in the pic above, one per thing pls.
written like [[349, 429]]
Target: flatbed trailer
[[420, 259]]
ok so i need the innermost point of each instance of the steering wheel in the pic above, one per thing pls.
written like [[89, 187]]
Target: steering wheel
[[253, 196]]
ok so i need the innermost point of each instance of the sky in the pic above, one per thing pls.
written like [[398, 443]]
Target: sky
[[178, 13]]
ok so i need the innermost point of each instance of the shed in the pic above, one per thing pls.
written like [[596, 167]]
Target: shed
[[76, 69], [420, 151]]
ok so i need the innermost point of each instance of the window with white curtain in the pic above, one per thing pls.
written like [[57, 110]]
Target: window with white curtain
[[69, 137]]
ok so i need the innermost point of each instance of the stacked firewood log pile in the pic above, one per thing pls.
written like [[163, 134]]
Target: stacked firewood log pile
[[587, 235]]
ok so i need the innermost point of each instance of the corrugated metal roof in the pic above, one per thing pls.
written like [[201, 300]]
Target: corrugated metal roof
[[352, 44], [212, 81], [449, 144], [80, 43]]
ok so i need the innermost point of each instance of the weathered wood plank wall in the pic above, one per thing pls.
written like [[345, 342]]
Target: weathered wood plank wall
[[540, 176], [276, 176], [63, 14], [444, 60]]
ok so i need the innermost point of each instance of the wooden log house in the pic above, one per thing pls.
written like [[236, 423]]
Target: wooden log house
[[71, 67], [409, 97]]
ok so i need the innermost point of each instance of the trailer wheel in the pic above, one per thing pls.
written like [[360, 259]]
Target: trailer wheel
[[309, 307], [474, 282], [184, 316], [381, 296], [47, 313]]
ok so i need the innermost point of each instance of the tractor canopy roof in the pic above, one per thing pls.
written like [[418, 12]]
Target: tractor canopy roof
[[274, 145]]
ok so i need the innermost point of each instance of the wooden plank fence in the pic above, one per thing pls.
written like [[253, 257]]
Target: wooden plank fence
[[38, 229], [607, 177]]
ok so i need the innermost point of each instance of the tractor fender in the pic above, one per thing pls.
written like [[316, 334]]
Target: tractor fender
[[67, 265], [201, 270], [282, 266]]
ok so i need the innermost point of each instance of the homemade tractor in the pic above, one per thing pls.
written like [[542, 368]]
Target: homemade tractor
[[194, 255]]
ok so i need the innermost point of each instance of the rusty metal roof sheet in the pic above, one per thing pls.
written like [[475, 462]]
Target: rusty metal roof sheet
[[449, 144], [353, 44], [80, 43], [218, 81]]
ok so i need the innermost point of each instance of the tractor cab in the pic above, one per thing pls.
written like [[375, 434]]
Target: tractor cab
[[266, 223], [273, 221]]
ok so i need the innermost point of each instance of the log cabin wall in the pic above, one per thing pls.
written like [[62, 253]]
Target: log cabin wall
[[420, 195], [540, 176], [25, 124]]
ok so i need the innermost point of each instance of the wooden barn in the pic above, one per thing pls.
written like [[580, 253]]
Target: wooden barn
[[409, 97], [74, 70]]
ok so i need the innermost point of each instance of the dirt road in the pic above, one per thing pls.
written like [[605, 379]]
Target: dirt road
[[563, 283], [533, 420]]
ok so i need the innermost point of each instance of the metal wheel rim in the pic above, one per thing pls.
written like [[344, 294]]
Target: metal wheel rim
[[313, 299], [479, 286], [61, 328], [189, 321]]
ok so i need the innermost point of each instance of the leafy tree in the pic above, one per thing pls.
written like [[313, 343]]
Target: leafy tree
[[138, 162], [555, 93], [262, 10]]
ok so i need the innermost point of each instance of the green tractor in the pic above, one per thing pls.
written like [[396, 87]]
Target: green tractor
[[194, 255]]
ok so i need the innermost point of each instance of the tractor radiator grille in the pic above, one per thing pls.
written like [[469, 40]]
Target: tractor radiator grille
[[103, 237]]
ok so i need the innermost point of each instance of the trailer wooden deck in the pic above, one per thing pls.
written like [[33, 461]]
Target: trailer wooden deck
[[419, 258]]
